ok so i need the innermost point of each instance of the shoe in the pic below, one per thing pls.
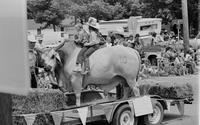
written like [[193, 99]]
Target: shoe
[[77, 68]]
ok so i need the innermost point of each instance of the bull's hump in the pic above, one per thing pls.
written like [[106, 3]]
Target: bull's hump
[[108, 50]]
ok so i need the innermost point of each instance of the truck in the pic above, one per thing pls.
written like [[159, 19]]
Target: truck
[[132, 26]]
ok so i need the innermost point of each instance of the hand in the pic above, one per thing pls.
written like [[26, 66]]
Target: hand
[[87, 44]]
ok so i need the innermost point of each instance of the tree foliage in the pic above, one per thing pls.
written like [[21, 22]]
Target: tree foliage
[[53, 11], [45, 11]]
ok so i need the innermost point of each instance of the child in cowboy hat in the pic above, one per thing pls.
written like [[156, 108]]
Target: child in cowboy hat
[[91, 45]]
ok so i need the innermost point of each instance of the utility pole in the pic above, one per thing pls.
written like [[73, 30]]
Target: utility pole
[[198, 16], [185, 25]]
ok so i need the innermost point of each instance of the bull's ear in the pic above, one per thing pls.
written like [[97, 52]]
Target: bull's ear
[[57, 56]]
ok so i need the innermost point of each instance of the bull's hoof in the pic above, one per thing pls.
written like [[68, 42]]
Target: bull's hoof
[[54, 86]]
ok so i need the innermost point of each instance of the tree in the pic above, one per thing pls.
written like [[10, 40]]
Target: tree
[[100, 10], [133, 8], [166, 16], [118, 11], [46, 11], [97, 9], [171, 9], [79, 11]]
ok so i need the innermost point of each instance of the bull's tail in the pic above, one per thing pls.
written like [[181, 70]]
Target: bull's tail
[[139, 58]]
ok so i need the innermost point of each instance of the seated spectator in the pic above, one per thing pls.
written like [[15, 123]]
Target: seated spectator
[[189, 62], [169, 54], [160, 38]]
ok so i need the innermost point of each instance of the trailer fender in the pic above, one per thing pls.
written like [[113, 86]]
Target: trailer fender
[[115, 107], [162, 101]]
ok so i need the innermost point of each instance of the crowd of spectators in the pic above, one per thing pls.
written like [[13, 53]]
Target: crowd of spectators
[[172, 60]]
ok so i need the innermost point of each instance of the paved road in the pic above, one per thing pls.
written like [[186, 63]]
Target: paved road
[[191, 115]]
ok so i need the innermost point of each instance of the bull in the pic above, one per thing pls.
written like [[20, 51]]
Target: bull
[[109, 67]]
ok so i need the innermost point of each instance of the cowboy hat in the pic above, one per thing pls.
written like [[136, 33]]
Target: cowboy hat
[[31, 38], [93, 23]]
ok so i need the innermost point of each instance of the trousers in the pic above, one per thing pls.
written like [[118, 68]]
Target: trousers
[[85, 52]]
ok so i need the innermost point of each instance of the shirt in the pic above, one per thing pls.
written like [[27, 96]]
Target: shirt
[[82, 37], [93, 39]]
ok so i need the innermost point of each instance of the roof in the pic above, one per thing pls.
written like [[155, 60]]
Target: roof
[[126, 20], [114, 21], [149, 19]]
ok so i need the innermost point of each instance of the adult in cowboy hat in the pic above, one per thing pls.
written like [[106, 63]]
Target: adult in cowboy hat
[[32, 59], [91, 46], [32, 41]]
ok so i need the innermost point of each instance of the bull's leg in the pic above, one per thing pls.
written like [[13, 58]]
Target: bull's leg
[[77, 86], [125, 92], [134, 86]]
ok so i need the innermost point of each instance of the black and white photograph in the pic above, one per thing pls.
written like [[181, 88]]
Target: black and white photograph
[[99, 62]]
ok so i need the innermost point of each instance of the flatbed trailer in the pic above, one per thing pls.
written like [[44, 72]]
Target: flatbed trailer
[[119, 112], [148, 110]]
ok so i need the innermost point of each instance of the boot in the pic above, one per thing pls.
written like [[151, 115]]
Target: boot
[[86, 67], [78, 68]]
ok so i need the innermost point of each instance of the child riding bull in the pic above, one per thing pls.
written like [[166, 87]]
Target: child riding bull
[[90, 39]]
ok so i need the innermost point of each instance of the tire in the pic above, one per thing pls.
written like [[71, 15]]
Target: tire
[[157, 117], [123, 116]]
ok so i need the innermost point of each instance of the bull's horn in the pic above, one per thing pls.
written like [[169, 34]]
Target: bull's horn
[[59, 46]]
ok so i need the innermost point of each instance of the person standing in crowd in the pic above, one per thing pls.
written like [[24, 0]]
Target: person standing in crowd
[[111, 37], [32, 60], [130, 42], [166, 35], [108, 41], [138, 43], [154, 40], [119, 38], [197, 55]]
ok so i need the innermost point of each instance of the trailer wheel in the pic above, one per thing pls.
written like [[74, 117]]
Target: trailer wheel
[[157, 116], [124, 116]]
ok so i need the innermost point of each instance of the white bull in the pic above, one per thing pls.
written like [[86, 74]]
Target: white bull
[[109, 67]]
